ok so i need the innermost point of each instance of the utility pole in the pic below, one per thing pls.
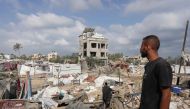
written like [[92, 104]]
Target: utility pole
[[183, 48]]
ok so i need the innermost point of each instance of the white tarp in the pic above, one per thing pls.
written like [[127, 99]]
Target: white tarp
[[100, 80], [65, 69], [49, 92], [24, 69], [45, 96], [34, 70]]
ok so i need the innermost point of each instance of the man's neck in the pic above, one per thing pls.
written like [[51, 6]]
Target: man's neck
[[153, 56]]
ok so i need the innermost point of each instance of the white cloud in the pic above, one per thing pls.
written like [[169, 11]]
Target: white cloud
[[24, 42], [49, 31], [122, 40], [61, 42], [149, 6], [45, 31], [76, 5], [44, 20], [169, 26]]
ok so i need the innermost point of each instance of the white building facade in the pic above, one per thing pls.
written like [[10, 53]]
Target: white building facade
[[52, 55], [93, 45]]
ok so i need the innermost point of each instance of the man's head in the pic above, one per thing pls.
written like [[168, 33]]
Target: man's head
[[150, 43]]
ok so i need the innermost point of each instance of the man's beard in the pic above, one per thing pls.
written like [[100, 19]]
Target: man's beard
[[144, 54]]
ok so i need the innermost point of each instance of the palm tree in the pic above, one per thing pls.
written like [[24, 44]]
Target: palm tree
[[17, 47]]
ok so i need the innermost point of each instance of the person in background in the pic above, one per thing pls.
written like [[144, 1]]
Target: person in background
[[107, 95]]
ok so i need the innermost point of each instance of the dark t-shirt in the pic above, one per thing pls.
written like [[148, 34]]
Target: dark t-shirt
[[158, 74]]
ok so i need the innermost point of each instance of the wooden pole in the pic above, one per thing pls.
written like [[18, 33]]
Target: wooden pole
[[183, 48]]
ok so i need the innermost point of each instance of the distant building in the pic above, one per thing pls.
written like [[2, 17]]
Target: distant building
[[93, 44], [37, 56], [9, 56], [52, 55]]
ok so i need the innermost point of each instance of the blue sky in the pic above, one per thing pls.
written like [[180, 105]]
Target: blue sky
[[42, 26]]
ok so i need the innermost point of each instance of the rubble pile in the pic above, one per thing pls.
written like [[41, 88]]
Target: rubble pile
[[178, 102], [79, 90]]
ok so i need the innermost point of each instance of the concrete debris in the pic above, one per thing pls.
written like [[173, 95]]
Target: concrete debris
[[63, 81], [90, 79], [180, 102], [66, 86], [48, 103], [82, 77]]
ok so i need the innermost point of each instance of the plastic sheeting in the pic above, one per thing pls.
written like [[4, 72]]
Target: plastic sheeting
[[45, 96], [100, 80], [36, 70], [65, 69]]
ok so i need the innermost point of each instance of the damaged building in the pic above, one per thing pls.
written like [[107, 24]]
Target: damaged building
[[93, 44]]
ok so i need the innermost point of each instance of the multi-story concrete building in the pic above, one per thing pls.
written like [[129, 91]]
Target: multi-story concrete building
[[52, 55], [93, 45]]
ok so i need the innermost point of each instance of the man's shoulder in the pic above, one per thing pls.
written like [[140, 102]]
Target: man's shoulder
[[162, 61]]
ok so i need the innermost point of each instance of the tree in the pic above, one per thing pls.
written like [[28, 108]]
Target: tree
[[115, 56], [93, 62], [2, 54], [17, 47], [30, 57], [24, 57], [57, 60]]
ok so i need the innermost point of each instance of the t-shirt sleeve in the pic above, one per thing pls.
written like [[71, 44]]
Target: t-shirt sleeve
[[164, 74]]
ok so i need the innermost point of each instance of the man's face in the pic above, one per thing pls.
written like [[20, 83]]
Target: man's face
[[143, 50]]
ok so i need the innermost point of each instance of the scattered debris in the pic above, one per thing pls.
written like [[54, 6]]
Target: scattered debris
[[67, 86]]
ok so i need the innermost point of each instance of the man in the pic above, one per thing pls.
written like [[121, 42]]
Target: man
[[107, 94], [157, 78]]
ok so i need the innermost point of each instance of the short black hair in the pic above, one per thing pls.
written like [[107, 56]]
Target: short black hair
[[152, 40]]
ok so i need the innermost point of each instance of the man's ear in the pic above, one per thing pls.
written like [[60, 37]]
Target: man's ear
[[149, 47]]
